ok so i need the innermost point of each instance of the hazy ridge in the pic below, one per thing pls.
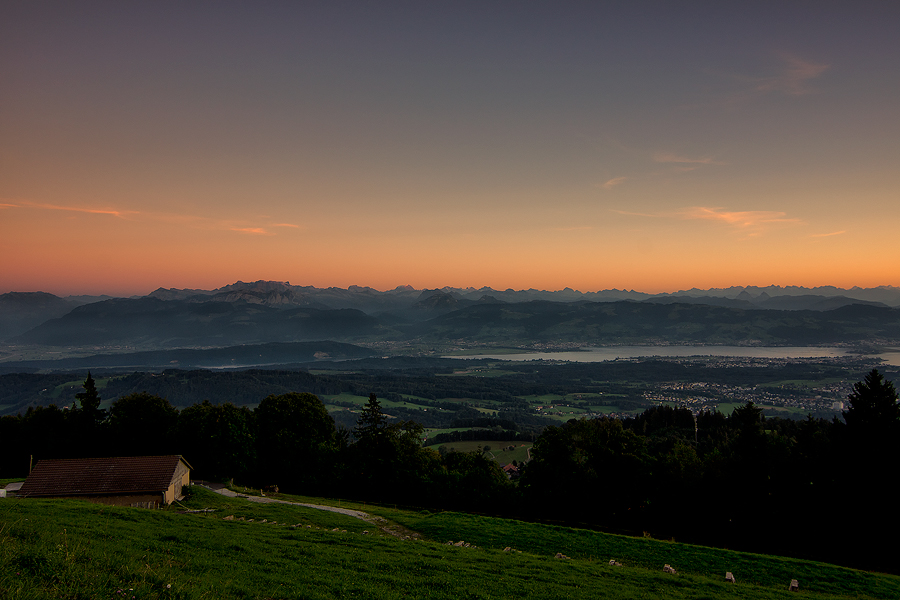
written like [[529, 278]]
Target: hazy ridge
[[276, 312]]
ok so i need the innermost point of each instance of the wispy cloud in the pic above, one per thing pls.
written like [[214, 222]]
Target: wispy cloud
[[668, 157], [614, 182], [675, 163], [80, 209], [638, 214], [793, 78], [746, 218], [251, 230], [185, 220], [820, 235], [752, 222]]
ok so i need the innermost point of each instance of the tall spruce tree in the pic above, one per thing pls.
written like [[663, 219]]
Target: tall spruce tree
[[873, 411], [866, 482], [89, 398], [87, 421], [370, 427]]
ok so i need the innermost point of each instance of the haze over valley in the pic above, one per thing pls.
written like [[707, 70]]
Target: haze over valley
[[410, 319]]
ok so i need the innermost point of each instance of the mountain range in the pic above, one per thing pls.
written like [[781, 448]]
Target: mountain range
[[277, 312], [371, 300]]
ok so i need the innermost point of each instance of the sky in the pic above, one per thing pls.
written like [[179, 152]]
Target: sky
[[653, 146]]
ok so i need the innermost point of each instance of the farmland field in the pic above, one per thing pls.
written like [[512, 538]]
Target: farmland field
[[497, 452], [604, 409], [726, 408], [360, 401], [433, 431]]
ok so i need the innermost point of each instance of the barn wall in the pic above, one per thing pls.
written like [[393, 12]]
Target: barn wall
[[142, 500], [180, 478]]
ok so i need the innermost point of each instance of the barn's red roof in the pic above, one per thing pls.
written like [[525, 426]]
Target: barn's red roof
[[101, 476]]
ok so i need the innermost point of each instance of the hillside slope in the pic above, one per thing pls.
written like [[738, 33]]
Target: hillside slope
[[70, 549]]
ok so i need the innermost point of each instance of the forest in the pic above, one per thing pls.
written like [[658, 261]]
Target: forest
[[810, 488]]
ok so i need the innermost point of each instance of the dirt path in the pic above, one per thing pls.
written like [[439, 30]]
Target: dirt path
[[380, 522]]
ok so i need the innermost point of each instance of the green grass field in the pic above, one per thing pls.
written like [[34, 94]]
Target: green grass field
[[593, 547], [99, 382], [561, 418], [605, 409], [785, 410], [497, 452], [726, 408], [64, 393], [328, 401], [468, 401], [72, 549], [545, 399], [567, 409], [433, 431], [58, 390]]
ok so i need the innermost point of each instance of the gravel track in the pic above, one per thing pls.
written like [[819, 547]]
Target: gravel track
[[379, 522]]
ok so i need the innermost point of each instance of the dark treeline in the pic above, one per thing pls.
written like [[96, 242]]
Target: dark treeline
[[288, 440], [813, 488]]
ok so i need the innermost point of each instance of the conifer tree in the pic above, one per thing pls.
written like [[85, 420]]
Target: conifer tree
[[873, 411], [90, 397], [370, 427]]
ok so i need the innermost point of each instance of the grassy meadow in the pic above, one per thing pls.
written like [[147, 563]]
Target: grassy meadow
[[498, 451], [359, 401], [73, 549]]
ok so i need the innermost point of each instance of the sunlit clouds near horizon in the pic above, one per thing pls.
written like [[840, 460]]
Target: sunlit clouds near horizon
[[648, 145]]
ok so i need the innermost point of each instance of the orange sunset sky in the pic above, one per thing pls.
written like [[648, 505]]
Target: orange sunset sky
[[653, 146]]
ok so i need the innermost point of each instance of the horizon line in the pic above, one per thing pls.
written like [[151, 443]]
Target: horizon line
[[467, 288]]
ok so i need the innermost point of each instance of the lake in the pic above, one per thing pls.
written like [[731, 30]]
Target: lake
[[614, 352]]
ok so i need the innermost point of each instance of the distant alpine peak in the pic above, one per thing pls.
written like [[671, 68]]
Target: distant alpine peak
[[256, 286], [176, 294], [360, 297], [285, 297]]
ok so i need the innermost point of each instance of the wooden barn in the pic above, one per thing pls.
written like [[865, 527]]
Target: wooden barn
[[142, 481]]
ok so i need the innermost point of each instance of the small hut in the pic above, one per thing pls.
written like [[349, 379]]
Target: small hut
[[142, 481]]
